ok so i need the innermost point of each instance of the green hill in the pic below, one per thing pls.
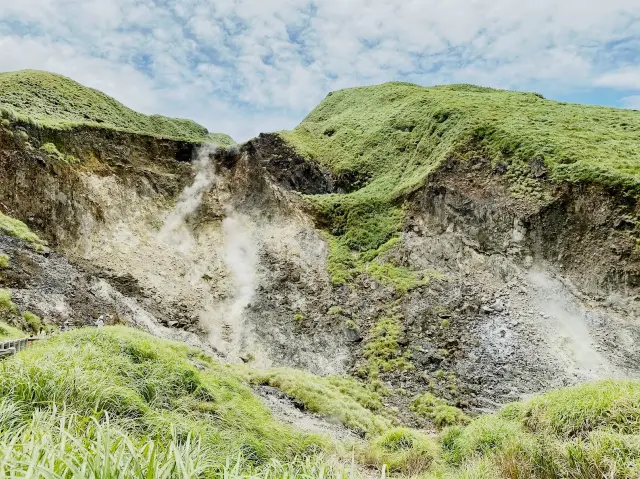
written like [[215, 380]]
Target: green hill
[[57, 101], [392, 136]]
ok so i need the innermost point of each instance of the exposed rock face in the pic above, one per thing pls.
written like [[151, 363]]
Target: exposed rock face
[[516, 306]]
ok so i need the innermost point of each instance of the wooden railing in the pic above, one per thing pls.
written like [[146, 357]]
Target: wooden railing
[[11, 347]]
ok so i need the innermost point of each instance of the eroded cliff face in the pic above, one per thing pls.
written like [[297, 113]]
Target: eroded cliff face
[[220, 248]]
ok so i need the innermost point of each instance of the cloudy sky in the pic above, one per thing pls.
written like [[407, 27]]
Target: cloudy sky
[[245, 66]]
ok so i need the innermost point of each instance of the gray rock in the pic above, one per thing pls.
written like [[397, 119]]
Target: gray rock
[[353, 335], [498, 306]]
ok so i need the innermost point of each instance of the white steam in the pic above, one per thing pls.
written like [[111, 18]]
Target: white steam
[[240, 258], [175, 231], [224, 319]]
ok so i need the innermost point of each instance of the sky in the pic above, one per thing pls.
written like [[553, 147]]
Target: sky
[[246, 66]]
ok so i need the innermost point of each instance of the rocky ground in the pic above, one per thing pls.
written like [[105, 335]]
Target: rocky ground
[[243, 273]]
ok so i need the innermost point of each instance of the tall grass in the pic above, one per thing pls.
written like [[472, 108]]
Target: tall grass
[[65, 445]]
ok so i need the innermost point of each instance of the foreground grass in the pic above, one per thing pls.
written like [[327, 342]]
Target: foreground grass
[[59, 102], [392, 136], [118, 403], [140, 395], [590, 431]]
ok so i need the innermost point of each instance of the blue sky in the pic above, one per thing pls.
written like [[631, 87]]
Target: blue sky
[[245, 66]]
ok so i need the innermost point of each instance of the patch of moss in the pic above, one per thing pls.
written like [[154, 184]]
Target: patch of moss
[[334, 310], [299, 317], [18, 229], [382, 350], [4, 261]]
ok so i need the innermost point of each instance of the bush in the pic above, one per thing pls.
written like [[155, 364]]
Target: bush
[[5, 301], [34, 322], [4, 261], [402, 450]]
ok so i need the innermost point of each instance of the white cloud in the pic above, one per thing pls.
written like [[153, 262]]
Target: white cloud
[[255, 61], [632, 102], [626, 78]]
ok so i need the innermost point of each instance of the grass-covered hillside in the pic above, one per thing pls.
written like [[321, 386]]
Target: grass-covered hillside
[[57, 101], [118, 403], [392, 136]]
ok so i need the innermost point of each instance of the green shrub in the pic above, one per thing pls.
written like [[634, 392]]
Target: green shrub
[[5, 301], [437, 410], [51, 149], [402, 450], [299, 317], [4, 261], [34, 322], [334, 310]]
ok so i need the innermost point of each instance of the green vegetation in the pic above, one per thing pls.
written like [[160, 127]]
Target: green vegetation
[[9, 332], [589, 431], [55, 101], [4, 261], [33, 321], [340, 399], [299, 317], [117, 402], [18, 229], [437, 410], [334, 310], [5, 301], [402, 450], [99, 390], [382, 350], [53, 152], [396, 134]]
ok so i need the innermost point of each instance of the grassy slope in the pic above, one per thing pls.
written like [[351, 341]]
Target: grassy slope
[[120, 403], [394, 135], [148, 390], [56, 101], [9, 332]]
